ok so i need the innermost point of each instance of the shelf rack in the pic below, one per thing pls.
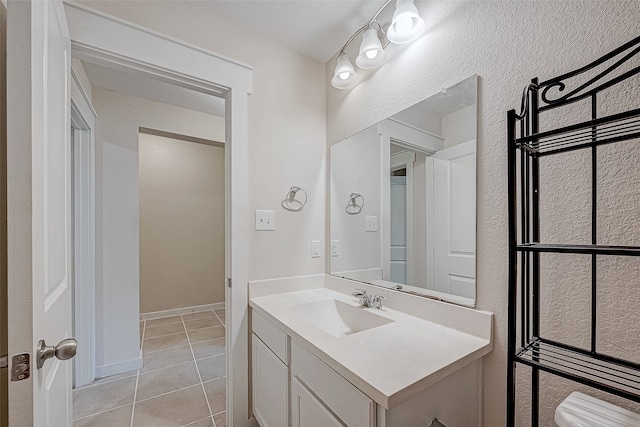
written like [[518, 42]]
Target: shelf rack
[[526, 145]]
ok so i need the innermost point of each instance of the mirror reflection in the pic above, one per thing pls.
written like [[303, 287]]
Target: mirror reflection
[[403, 199]]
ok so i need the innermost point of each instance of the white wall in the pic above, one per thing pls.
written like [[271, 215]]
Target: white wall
[[287, 128], [117, 213], [506, 44], [356, 168]]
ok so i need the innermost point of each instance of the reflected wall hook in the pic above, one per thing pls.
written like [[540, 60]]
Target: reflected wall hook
[[353, 208], [290, 202]]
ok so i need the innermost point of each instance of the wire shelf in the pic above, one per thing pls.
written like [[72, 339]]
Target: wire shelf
[[580, 249], [606, 130], [602, 372]]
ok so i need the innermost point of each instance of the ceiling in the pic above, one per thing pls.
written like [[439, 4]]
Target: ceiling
[[314, 28]]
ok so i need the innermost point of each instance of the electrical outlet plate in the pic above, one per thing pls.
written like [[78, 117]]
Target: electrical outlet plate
[[315, 249], [265, 220], [335, 248]]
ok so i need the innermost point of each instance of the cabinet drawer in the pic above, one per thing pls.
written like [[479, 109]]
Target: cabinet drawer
[[274, 338], [354, 408]]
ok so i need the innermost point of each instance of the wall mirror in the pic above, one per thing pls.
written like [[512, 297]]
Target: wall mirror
[[403, 199]]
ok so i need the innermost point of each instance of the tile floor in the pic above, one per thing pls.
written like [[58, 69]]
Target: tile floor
[[182, 382]]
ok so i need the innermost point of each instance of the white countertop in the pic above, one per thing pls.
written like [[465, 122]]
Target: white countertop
[[389, 363]]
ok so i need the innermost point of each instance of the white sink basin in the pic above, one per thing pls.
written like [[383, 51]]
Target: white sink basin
[[338, 318]]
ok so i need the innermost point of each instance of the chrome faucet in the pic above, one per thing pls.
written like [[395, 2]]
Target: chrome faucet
[[366, 300]]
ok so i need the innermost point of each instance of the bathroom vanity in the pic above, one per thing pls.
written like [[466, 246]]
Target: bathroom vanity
[[320, 359]]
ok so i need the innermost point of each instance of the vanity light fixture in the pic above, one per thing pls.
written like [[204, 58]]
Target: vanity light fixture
[[405, 27]]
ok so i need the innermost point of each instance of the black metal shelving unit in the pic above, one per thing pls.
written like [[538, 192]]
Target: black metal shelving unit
[[526, 145]]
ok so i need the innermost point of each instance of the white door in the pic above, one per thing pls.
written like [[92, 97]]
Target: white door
[[38, 193], [398, 210], [455, 220]]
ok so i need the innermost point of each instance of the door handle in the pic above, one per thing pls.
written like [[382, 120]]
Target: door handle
[[65, 349]]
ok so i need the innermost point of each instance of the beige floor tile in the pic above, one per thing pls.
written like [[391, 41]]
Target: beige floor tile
[[166, 358], [174, 409], [164, 320], [162, 330], [209, 348], [206, 334], [216, 394], [166, 380], [120, 417], [220, 419], [212, 367], [220, 314], [205, 322], [103, 397], [207, 422], [163, 343], [198, 315]]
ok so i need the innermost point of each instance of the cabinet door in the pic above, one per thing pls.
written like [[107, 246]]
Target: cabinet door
[[270, 387], [307, 411]]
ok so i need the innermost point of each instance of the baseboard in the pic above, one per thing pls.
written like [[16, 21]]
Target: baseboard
[[253, 422], [184, 310], [120, 367]]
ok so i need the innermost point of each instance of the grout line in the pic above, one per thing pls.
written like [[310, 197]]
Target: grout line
[[135, 395], [101, 412], [168, 348], [206, 398], [167, 392], [166, 367], [221, 321], [197, 421], [166, 335]]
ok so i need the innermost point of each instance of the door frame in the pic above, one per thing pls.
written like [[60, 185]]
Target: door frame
[[83, 209], [405, 160], [106, 40], [392, 131]]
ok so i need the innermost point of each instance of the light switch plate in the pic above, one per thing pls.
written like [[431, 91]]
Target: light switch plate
[[371, 223], [265, 220], [315, 249]]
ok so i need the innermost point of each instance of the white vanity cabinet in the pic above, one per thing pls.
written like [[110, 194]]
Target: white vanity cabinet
[[270, 373], [403, 373], [334, 401]]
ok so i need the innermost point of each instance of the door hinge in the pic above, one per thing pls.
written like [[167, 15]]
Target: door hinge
[[229, 281], [20, 366]]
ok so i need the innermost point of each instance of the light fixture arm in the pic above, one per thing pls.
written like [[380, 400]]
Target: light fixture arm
[[366, 26]]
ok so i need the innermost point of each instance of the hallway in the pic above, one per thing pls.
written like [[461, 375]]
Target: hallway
[[182, 382]]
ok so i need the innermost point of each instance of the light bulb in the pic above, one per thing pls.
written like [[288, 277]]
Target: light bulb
[[371, 53], [404, 24], [344, 75]]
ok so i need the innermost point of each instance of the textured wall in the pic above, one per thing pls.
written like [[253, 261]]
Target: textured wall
[[506, 44]]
